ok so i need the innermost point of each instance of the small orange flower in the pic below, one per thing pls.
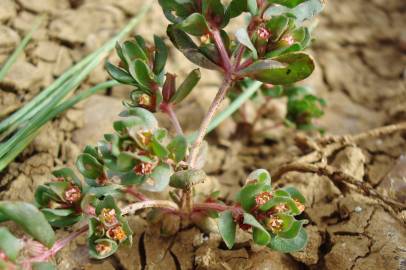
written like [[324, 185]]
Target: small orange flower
[[262, 198], [117, 233], [144, 100], [108, 217], [143, 168], [299, 205], [281, 208], [275, 224], [144, 137]]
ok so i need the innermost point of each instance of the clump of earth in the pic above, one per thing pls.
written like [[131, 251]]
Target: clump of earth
[[360, 49]]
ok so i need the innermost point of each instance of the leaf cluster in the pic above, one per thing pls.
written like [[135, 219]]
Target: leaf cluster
[[269, 214]]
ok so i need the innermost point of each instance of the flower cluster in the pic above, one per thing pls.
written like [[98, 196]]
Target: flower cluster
[[269, 214], [60, 200], [108, 229], [143, 67]]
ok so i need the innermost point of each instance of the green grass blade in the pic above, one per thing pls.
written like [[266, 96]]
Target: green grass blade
[[23, 143], [232, 108], [31, 108], [20, 48]]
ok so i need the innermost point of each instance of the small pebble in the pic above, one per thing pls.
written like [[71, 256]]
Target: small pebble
[[358, 209]]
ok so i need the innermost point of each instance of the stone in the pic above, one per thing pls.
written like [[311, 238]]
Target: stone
[[99, 114], [345, 252], [351, 161], [24, 22], [47, 51], [9, 102], [23, 75], [42, 6], [63, 61], [9, 39], [310, 254], [8, 10], [75, 26]]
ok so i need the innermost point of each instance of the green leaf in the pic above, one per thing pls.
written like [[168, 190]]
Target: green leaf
[[181, 8], [43, 266], [302, 12], [253, 7], [289, 245], [141, 73], [187, 178], [10, 244], [119, 51], [119, 74], [186, 45], [68, 174], [132, 50], [246, 196], [89, 166], [161, 55], [213, 10], [157, 147], [158, 180], [125, 161], [187, 86], [295, 47], [295, 194], [260, 176], [243, 37], [178, 148], [195, 25], [227, 228], [112, 245], [148, 119], [236, 7], [277, 25], [293, 230], [284, 69], [260, 234], [131, 178], [31, 220], [287, 3]]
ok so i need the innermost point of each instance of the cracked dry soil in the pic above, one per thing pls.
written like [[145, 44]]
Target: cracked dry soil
[[360, 49]]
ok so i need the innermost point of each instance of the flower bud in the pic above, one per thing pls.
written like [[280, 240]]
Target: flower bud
[[72, 194], [288, 39], [263, 33], [144, 101], [103, 248]]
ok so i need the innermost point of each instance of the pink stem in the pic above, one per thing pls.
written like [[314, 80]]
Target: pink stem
[[167, 108], [136, 194], [59, 245], [216, 207], [223, 52]]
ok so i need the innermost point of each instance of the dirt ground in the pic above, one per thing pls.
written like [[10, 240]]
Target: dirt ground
[[360, 48]]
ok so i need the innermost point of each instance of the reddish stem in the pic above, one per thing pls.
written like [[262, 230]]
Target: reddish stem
[[59, 245], [216, 207], [167, 108], [136, 194], [223, 51]]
